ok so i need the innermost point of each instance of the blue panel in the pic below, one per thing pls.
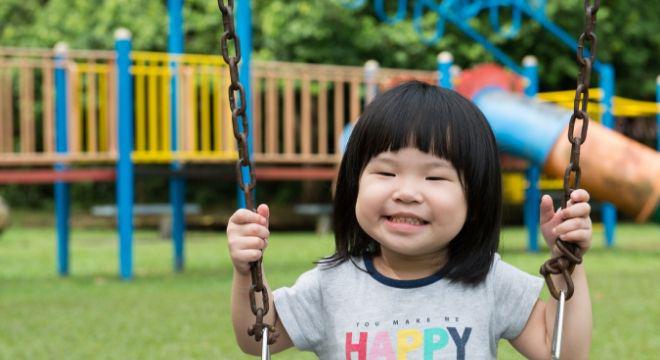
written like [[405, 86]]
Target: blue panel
[[175, 14], [608, 210], [476, 36], [244, 27], [531, 210], [124, 163], [418, 14], [609, 217], [523, 127], [177, 200], [177, 184], [444, 69], [401, 11], [62, 198]]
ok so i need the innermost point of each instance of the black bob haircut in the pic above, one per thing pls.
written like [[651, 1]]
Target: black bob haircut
[[440, 122]]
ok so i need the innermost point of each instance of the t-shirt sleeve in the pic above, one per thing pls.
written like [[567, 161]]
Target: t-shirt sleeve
[[300, 309], [515, 292]]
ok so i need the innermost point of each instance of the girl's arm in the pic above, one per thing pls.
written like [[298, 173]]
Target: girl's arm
[[535, 341], [243, 319], [247, 234]]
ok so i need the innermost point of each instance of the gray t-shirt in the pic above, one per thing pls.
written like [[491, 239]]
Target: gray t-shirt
[[344, 312]]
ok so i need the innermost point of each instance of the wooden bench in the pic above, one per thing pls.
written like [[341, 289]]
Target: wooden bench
[[322, 212], [161, 210]]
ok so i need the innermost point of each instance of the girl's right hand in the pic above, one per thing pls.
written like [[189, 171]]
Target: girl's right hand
[[247, 236]]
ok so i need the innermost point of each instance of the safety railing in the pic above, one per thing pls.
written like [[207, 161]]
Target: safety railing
[[300, 110], [30, 80], [202, 132]]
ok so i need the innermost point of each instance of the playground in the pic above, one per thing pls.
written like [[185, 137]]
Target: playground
[[120, 164], [162, 314]]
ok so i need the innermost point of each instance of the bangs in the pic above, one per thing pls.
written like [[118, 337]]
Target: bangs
[[431, 120]]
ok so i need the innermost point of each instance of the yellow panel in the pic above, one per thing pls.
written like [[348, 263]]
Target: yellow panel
[[513, 185], [193, 111], [197, 59], [166, 103], [205, 110], [152, 96], [551, 184], [217, 110], [140, 114]]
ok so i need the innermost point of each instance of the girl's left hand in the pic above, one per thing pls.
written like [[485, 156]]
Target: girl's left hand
[[571, 224]]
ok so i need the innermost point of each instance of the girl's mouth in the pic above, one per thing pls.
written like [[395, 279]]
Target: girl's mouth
[[408, 220]]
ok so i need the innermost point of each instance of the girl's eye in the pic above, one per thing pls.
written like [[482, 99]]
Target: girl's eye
[[382, 173], [435, 178]]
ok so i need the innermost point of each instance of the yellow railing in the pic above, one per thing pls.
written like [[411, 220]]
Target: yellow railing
[[620, 106], [299, 110], [203, 124]]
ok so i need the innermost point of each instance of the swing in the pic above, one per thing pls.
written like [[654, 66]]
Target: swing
[[561, 265]]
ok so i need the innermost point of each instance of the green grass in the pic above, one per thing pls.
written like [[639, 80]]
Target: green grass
[[163, 315]]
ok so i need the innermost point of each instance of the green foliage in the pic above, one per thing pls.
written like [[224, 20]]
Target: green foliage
[[82, 24], [324, 31]]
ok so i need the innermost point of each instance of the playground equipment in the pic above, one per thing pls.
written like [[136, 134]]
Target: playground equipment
[[4, 215], [460, 14], [177, 106], [537, 132], [293, 125]]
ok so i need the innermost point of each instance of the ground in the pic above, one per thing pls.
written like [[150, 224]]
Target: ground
[[163, 315]]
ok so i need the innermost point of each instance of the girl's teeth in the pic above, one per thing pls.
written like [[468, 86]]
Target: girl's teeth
[[405, 220]]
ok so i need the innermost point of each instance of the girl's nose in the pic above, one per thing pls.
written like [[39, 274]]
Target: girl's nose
[[407, 193]]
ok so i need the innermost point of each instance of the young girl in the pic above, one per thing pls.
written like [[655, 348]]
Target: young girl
[[415, 273]]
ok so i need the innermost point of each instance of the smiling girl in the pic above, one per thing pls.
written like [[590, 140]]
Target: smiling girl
[[415, 273]]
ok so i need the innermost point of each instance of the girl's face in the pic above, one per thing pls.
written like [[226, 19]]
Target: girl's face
[[412, 203]]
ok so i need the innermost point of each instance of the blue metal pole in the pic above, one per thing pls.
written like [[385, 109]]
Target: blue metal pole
[[177, 183], [124, 163], [500, 55], [62, 199], [531, 211], [445, 61], [244, 27], [371, 69], [554, 29], [608, 210]]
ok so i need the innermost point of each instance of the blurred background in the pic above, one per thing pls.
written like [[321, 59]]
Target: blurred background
[[80, 280]]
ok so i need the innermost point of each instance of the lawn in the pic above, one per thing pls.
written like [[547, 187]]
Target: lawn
[[163, 315]]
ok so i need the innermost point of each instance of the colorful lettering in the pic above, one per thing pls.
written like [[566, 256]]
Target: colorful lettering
[[381, 347], [399, 345], [460, 341], [407, 340], [360, 347], [434, 339]]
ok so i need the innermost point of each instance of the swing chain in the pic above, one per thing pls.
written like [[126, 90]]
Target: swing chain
[[570, 254], [239, 119]]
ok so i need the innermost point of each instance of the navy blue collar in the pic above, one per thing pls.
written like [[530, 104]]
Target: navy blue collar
[[402, 284]]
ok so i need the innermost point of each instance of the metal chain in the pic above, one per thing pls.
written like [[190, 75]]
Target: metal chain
[[239, 119], [571, 254]]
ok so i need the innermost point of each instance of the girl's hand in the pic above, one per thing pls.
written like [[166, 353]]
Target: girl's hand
[[571, 224], [247, 237]]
